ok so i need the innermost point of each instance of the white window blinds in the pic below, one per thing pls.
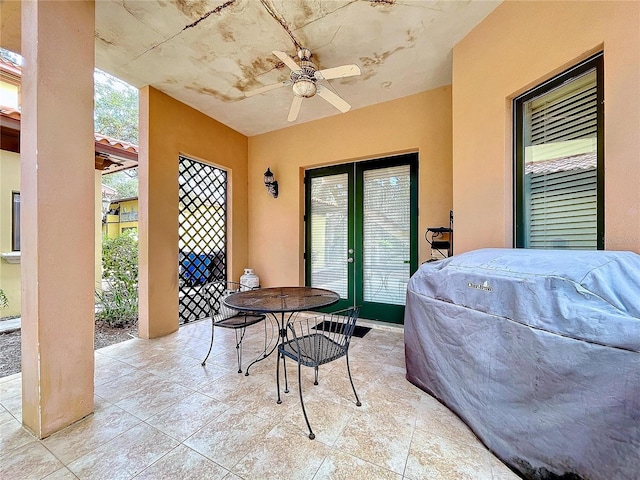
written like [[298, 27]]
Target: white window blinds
[[561, 190], [329, 236], [387, 245]]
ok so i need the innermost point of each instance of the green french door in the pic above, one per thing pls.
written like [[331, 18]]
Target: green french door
[[361, 233]]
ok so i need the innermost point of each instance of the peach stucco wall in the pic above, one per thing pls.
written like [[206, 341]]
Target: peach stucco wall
[[168, 129], [57, 264], [418, 123], [518, 46]]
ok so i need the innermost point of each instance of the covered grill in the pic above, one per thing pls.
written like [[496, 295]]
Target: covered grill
[[538, 351]]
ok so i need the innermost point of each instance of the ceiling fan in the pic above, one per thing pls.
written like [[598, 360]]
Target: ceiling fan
[[304, 80]]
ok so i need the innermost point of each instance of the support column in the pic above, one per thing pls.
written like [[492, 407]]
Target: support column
[[58, 217]]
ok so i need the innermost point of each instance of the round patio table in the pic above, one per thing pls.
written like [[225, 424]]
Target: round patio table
[[280, 300]]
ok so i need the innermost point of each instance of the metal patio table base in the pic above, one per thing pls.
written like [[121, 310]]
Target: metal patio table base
[[282, 300]]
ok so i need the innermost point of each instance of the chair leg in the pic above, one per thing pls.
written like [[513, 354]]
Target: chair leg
[[351, 380], [239, 349], [316, 376], [304, 411], [210, 346], [278, 375]]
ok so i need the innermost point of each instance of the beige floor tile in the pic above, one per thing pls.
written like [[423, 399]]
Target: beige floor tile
[[152, 399], [184, 464], [231, 427], [440, 458], [122, 350], [197, 376], [233, 387], [229, 437], [62, 474], [232, 476], [283, 454], [124, 387], [390, 405], [5, 416], [185, 417], [328, 415], [10, 387], [13, 405], [381, 440], [435, 417], [108, 369], [340, 466], [500, 471], [82, 437], [262, 402], [124, 456], [30, 461], [12, 435]]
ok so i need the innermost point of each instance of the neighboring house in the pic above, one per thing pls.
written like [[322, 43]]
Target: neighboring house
[[111, 155], [121, 216]]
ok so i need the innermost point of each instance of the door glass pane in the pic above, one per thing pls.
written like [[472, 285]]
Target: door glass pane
[[560, 169], [329, 233], [387, 234]]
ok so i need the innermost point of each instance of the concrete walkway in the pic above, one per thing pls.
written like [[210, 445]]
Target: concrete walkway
[[8, 326]]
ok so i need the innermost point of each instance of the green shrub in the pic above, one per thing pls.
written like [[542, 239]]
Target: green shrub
[[4, 301], [118, 302]]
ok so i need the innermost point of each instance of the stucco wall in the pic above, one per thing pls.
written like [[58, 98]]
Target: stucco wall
[[419, 123], [168, 129], [518, 46], [9, 272]]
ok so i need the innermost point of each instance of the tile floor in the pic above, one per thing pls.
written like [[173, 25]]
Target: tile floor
[[160, 415]]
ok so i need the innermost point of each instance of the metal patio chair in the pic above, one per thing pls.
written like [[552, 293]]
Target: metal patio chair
[[318, 340], [225, 317]]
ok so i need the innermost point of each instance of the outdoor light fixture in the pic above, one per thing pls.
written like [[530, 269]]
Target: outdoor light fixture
[[270, 183]]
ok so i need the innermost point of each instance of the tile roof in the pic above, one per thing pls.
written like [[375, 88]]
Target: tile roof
[[582, 161], [111, 154]]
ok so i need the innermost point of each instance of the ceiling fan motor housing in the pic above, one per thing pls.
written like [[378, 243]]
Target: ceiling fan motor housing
[[304, 80]]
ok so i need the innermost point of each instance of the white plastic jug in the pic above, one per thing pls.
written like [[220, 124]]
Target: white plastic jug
[[249, 280]]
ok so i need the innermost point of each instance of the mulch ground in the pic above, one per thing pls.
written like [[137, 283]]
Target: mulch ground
[[104, 336]]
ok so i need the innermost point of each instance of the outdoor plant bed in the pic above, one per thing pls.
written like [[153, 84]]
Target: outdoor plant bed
[[105, 335]]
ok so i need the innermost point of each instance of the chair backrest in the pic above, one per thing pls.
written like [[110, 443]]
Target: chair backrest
[[326, 337], [216, 292]]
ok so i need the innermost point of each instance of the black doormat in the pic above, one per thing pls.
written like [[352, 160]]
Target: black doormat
[[329, 326]]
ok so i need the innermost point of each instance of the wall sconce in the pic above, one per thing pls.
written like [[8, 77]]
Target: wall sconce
[[270, 183]]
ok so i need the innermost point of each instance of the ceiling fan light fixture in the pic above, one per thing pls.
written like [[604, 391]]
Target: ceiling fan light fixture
[[304, 88]]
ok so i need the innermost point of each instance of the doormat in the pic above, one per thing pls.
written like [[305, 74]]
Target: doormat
[[329, 326]]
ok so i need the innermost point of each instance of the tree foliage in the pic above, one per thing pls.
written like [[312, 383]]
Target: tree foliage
[[116, 108], [118, 303], [4, 301], [125, 182]]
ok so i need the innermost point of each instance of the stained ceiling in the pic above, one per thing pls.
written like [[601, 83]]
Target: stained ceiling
[[209, 53]]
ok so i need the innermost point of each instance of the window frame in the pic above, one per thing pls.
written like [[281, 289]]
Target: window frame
[[15, 222], [594, 62]]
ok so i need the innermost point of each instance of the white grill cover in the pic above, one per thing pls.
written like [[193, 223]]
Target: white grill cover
[[538, 351]]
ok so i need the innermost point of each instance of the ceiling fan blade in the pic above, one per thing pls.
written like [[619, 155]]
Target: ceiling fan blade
[[333, 99], [295, 108], [267, 88], [287, 60], [338, 72]]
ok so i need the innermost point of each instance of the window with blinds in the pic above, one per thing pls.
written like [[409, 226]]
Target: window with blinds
[[558, 161]]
